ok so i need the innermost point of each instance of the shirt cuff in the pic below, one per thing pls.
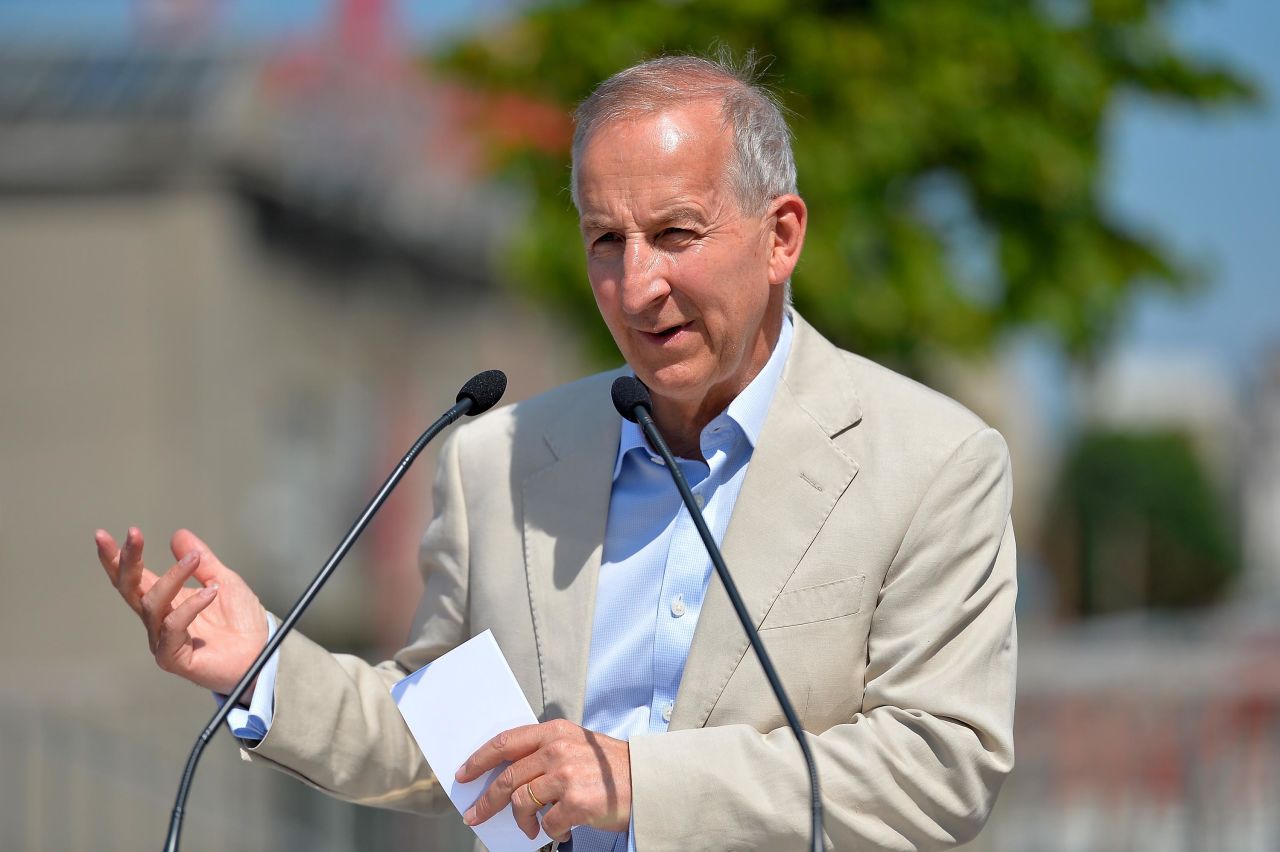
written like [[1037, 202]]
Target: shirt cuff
[[254, 722]]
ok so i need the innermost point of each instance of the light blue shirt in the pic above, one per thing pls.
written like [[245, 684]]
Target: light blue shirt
[[653, 577], [654, 571]]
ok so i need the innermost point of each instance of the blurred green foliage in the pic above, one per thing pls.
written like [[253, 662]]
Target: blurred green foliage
[[951, 153], [1137, 524]]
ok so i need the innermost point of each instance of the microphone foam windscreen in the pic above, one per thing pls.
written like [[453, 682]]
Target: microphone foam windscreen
[[484, 390], [628, 392]]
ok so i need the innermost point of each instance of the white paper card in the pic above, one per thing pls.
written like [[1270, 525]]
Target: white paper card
[[455, 705]]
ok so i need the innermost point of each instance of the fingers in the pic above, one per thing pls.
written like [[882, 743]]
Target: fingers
[[536, 795], [173, 633], [157, 602], [509, 745], [532, 748], [525, 806], [584, 776], [210, 568], [108, 554], [509, 786], [130, 570], [556, 823], [541, 793]]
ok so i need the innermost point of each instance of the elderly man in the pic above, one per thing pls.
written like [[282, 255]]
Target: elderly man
[[866, 519]]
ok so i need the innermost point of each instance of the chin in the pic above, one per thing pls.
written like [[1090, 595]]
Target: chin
[[674, 383]]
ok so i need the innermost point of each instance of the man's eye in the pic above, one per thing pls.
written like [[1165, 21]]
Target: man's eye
[[606, 239], [676, 234]]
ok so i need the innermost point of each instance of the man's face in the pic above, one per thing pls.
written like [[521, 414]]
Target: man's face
[[681, 275]]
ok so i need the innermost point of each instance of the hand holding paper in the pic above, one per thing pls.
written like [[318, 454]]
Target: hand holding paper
[[455, 705], [582, 777]]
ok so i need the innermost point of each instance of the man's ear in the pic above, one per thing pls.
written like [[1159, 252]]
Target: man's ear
[[789, 217]]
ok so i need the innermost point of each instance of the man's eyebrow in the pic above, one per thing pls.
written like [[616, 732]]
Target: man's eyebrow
[[685, 213], [681, 213], [591, 223]]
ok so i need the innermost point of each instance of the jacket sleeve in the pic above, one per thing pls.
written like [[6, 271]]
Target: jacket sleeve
[[336, 727], [919, 767]]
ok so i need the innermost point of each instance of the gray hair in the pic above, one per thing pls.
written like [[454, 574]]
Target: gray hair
[[762, 167]]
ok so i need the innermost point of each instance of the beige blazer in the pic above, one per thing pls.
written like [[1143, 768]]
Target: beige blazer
[[872, 544]]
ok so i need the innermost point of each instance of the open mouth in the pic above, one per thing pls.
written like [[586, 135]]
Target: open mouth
[[668, 333]]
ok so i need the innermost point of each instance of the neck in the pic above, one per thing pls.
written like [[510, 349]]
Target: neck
[[682, 429]]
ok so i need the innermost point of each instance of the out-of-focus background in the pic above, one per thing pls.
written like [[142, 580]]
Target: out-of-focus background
[[248, 250]]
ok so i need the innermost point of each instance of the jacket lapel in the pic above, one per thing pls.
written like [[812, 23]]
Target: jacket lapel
[[565, 507], [795, 477]]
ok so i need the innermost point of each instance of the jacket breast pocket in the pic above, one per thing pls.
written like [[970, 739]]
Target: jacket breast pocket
[[816, 603]]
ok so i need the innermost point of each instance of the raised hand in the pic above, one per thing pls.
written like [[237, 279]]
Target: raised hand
[[208, 635]]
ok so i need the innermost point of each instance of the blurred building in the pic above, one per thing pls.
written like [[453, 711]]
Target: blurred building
[[234, 288], [1146, 732], [1185, 391], [1261, 487]]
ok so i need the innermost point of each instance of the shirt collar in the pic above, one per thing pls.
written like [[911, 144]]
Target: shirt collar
[[748, 409]]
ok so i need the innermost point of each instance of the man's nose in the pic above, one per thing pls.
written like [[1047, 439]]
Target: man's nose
[[644, 281]]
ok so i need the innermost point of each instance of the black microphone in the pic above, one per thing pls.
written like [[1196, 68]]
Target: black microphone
[[479, 394], [631, 398]]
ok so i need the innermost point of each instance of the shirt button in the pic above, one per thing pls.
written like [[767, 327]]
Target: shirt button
[[677, 606], [700, 500], [666, 711]]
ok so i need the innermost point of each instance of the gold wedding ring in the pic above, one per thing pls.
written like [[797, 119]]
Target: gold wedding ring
[[536, 800]]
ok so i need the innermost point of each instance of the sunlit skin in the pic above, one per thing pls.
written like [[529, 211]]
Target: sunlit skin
[[692, 288], [208, 635], [690, 285]]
